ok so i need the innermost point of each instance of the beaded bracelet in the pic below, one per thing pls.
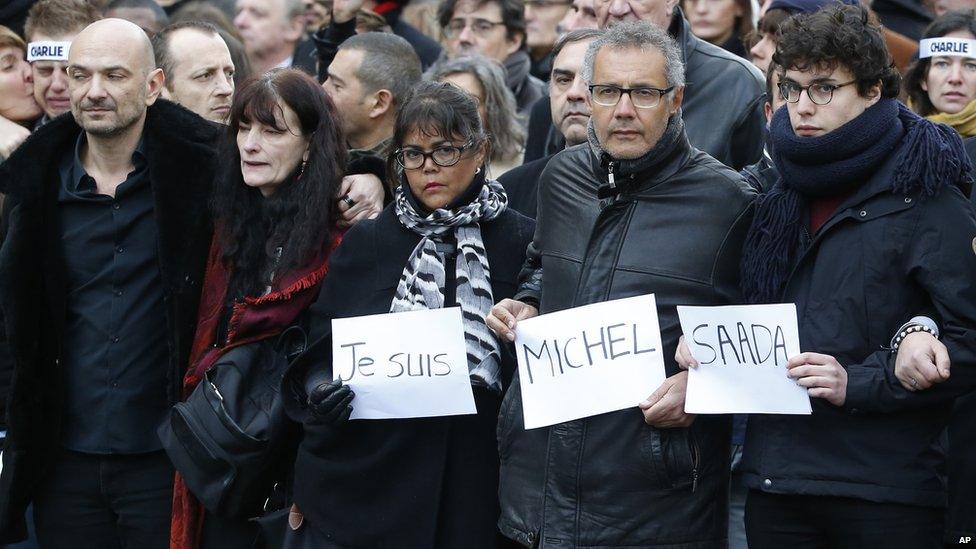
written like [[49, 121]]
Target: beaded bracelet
[[910, 330]]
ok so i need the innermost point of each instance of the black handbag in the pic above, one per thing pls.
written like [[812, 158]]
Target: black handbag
[[226, 438]]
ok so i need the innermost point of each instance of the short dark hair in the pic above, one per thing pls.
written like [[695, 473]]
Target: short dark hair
[[513, 15], [59, 17], [436, 109], [839, 35], [919, 70], [160, 43], [159, 15], [389, 63], [573, 36], [768, 25]]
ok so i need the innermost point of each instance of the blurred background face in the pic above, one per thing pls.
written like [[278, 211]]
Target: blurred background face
[[51, 80], [16, 87], [271, 153], [263, 25], [203, 76], [317, 14], [942, 6], [581, 15], [472, 86], [541, 19], [438, 186], [478, 28], [712, 20], [656, 12], [143, 17], [568, 94], [951, 80]]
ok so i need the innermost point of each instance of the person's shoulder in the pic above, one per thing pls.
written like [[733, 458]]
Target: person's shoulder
[[529, 170], [723, 183], [727, 64], [174, 123]]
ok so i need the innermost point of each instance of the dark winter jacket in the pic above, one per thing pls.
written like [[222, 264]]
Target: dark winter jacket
[[875, 262], [427, 482], [522, 186], [611, 480], [179, 148]]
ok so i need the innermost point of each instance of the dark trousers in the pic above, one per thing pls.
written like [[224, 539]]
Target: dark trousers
[[105, 502], [775, 521]]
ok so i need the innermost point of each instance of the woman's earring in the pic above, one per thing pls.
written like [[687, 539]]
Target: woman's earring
[[478, 170], [302, 171]]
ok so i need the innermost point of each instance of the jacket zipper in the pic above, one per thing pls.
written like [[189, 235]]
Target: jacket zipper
[[695, 458]]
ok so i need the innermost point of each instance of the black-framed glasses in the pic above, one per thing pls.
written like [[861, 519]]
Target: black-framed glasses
[[642, 98], [820, 93], [445, 156], [480, 27]]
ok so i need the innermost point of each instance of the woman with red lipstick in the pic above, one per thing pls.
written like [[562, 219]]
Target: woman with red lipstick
[[447, 240], [941, 85], [274, 209]]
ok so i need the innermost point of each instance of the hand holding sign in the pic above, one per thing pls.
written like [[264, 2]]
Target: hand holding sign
[[739, 360], [404, 365], [589, 360], [665, 408], [822, 375]]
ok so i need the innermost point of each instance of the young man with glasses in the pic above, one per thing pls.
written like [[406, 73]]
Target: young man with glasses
[[866, 226], [635, 210], [495, 29]]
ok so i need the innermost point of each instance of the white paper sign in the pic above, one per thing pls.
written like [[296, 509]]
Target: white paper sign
[[402, 365], [589, 360], [946, 47], [742, 351]]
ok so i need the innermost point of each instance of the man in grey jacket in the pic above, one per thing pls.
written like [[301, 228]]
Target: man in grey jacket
[[635, 210]]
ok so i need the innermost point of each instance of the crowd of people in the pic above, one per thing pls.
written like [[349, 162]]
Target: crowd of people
[[193, 190]]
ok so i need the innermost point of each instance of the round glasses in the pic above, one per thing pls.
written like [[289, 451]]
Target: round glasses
[[642, 98], [445, 156], [820, 94]]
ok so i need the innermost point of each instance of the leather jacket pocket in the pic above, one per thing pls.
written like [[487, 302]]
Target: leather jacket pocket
[[671, 457]]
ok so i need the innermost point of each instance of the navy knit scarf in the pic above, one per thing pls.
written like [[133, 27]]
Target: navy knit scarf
[[932, 156]]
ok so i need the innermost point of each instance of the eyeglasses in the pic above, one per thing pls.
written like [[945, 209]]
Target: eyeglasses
[[480, 27], [820, 94], [642, 98], [444, 156]]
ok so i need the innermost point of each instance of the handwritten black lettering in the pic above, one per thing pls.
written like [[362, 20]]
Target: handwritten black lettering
[[694, 337]]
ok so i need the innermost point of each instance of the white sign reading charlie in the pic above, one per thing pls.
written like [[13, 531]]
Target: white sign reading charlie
[[47, 50], [402, 365], [742, 351], [589, 360], [938, 47]]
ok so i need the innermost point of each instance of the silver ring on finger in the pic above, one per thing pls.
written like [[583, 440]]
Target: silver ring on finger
[[914, 383], [349, 202]]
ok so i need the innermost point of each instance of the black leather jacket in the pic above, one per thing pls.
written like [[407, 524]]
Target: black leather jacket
[[676, 229], [723, 101]]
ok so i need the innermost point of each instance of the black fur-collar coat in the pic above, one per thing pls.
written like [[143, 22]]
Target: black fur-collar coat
[[180, 148]]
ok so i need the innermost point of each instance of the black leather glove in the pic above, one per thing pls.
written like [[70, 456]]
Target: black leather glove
[[329, 402]]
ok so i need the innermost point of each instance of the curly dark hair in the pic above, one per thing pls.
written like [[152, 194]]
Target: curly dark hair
[[838, 35], [299, 216], [918, 72]]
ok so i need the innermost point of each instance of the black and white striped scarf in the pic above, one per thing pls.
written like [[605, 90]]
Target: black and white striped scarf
[[422, 282]]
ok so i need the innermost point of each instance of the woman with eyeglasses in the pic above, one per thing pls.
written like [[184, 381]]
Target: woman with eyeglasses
[[447, 240]]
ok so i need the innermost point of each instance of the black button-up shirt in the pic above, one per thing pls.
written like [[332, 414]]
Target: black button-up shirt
[[115, 351]]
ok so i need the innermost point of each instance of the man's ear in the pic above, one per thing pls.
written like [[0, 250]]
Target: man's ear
[[294, 29], [155, 84], [382, 104], [874, 94], [677, 96], [515, 42]]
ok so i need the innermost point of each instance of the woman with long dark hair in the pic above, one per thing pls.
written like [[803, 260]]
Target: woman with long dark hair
[[274, 212], [447, 240]]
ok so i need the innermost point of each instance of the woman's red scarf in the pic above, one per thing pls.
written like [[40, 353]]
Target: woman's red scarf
[[253, 319]]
